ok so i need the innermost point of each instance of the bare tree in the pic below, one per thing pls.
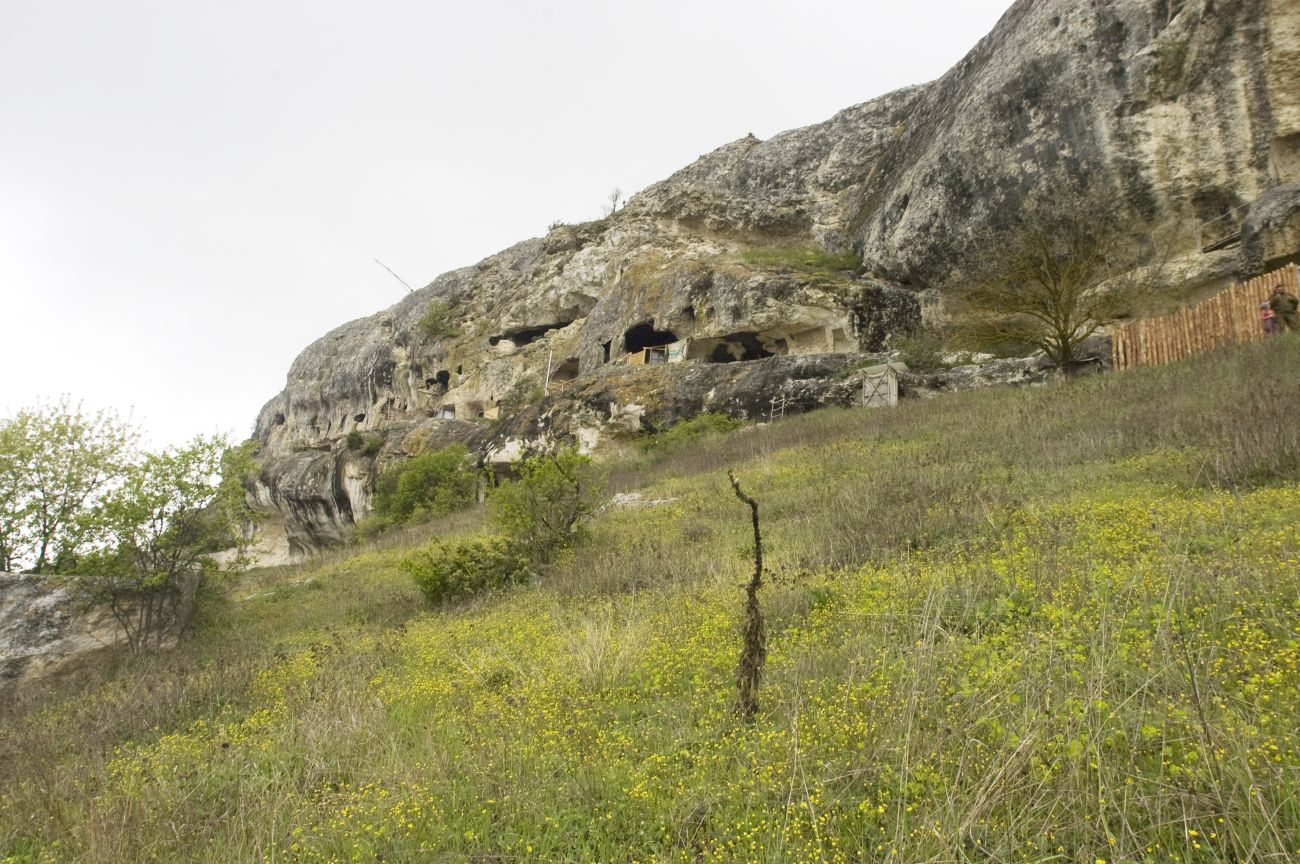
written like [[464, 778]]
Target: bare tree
[[1069, 264], [611, 203]]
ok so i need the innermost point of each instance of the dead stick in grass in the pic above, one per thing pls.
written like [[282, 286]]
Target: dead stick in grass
[[754, 651]]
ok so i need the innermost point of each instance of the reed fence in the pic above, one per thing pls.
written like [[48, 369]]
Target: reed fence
[[1227, 318]]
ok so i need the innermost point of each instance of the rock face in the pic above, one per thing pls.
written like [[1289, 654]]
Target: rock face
[[770, 268], [44, 630], [1271, 231]]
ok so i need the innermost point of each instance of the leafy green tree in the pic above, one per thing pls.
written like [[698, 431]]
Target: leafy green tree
[[15, 535], [542, 508], [162, 524], [55, 461], [431, 484]]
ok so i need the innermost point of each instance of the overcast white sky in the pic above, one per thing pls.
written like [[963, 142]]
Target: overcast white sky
[[191, 192]]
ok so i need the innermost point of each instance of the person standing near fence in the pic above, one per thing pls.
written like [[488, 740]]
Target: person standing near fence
[[1284, 305], [1268, 320]]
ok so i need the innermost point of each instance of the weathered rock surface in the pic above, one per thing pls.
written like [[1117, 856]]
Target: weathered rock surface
[[43, 630], [1191, 108], [1272, 229]]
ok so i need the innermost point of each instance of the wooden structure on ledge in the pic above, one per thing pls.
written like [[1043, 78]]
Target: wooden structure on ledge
[[1227, 318], [674, 352]]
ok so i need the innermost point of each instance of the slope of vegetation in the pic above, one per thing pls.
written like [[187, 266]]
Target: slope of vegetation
[[1056, 624]]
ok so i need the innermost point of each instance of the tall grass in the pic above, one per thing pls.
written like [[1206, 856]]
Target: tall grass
[[1054, 624]]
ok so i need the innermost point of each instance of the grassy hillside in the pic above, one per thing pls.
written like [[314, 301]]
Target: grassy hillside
[[1056, 624]]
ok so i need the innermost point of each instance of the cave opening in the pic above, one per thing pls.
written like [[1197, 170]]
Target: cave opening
[[566, 371], [439, 382], [736, 347], [644, 335], [521, 336], [359, 418], [605, 348]]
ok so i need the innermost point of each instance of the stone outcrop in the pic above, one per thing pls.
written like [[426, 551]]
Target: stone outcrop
[[1271, 231], [44, 630], [772, 267]]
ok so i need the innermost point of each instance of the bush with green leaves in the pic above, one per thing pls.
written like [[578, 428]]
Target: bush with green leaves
[[431, 484], [160, 527], [678, 435], [541, 509], [454, 570], [366, 445], [438, 322], [521, 394]]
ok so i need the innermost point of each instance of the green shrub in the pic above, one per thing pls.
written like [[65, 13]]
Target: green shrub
[[521, 394], [438, 322], [369, 527], [923, 349], [708, 424], [446, 571], [541, 509], [366, 445], [431, 484]]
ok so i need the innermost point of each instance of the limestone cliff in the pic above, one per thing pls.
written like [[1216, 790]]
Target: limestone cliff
[[745, 263]]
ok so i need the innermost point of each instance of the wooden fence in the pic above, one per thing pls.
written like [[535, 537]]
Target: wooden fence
[[1229, 317]]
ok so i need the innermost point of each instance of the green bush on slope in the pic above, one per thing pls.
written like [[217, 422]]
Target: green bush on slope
[[453, 570], [687, 432], [431, 484], [538, 515]]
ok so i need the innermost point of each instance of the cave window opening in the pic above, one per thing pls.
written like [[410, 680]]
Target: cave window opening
[[527, 335], [738, 347], [605, 348], [443, 378], [644, 335], [460, 370], [360, 418], [279, 416], [566, 371]]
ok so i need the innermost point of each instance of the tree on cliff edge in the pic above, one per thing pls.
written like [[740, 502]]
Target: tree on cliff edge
[[1068, 265], [55, 462], [162, 524]]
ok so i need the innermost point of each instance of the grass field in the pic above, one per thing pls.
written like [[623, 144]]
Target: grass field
[[1051, 624]]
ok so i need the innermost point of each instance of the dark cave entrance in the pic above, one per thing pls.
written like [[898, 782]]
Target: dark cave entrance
[[644, 335], [566, 371], [736, 347]]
